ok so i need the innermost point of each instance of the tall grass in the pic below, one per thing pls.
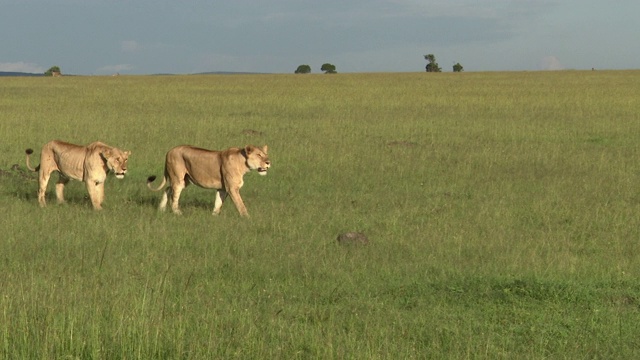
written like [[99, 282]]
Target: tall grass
[[502, 211]]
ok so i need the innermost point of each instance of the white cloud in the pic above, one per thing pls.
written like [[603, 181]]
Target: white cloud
[[130, 46], [21, 67], [550, 63], [112, 69]]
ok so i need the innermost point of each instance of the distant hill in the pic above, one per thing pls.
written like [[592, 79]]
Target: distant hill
[[226, 73], [211, 73], [15, 73]]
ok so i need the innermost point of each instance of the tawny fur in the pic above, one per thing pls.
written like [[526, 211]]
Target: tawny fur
[[210, 169], [89, 164]]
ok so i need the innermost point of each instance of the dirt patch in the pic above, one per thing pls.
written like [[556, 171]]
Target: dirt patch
[[252, 132], [16, 171], [352, 238]]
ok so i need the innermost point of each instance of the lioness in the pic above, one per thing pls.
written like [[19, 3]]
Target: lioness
[[210, 169], [89, 164]]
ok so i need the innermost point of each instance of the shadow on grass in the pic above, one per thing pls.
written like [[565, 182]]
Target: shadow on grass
[[19, 183], [22, 184], [185, 204]]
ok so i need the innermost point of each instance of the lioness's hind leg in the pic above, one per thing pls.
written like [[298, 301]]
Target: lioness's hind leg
[[62, 181], [165, 199], [43, 181], [220, 196], [176, 189]]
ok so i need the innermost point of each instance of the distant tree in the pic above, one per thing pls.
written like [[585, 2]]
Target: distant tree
[[432, 66], [328, 68], [53, 71], [303, 69], [457, 67]]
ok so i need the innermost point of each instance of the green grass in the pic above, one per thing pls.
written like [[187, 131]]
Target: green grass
[[503, 212]]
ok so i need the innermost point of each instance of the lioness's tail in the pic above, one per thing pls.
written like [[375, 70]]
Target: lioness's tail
[[29, 152], [151, 179]]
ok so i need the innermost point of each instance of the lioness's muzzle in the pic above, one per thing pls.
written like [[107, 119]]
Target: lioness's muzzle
[[263, 170]]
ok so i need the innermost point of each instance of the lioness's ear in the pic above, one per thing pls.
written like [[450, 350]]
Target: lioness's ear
[[106, 153], [127, 153], [265, 148], [248, 149]]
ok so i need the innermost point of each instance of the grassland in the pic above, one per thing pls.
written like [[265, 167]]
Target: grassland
[[503, 212]]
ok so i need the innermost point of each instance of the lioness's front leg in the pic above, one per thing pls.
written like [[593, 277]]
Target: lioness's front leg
[[220, 196], [96, 193], [237, 200]]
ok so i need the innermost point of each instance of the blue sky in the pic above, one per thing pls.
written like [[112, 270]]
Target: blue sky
[[102, 37]]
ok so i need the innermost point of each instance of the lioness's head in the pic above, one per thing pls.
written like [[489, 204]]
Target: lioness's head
[[257, 158], [116, 160]]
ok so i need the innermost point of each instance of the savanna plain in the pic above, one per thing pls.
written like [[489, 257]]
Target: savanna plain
[[502, 211]]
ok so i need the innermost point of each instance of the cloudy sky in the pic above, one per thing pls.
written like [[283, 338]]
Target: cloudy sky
[[87, 37]]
